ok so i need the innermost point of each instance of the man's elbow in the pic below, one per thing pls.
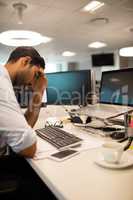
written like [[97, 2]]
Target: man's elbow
[[29, 152]]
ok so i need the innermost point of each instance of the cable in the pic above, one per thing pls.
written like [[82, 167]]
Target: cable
[[130, 139], [123, 140]]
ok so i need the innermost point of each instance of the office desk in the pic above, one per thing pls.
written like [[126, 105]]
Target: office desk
[[79, 178]]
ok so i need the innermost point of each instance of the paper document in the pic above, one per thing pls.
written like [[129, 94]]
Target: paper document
[[88, 143], [44, 149]]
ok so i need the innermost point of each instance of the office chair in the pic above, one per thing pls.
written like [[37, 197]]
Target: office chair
[[9, 182], [18, 181], [8, 187]]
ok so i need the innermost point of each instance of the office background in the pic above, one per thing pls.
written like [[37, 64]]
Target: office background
[[72, 29]]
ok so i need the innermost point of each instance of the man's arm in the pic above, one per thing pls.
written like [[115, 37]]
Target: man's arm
[[33, 110], [28, 152]]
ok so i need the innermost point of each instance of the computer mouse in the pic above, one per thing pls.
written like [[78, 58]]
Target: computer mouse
[[76, 119], [73, 110], [118, 135], [88, 120]]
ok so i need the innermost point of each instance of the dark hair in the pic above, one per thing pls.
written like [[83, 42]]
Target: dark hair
[[24, 51], [38, 61]]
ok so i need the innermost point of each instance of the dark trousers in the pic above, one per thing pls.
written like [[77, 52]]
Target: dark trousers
[[29, 185]]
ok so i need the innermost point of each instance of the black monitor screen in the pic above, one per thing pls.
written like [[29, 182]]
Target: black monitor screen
[[69, 88], [117, 87], [103, 60]]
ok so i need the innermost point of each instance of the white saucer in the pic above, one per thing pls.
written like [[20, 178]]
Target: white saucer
[[126, 161]]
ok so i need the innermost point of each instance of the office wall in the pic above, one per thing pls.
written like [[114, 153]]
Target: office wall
[[98, 70], [56, 63], [130, 62], [126, 62]]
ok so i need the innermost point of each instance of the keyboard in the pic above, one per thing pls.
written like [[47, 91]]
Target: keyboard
[[57, 137]]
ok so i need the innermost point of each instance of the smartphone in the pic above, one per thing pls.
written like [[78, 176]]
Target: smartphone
[[63, 155]]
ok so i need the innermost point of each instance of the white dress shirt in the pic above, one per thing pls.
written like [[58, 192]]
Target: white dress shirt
[[14, 129]]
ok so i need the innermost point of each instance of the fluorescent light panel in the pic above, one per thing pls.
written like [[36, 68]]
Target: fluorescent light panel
[[68, 53], [126, 52], [97, 45], [92, 6]]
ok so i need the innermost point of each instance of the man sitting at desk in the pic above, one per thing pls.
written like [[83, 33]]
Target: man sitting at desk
[[24, 66]]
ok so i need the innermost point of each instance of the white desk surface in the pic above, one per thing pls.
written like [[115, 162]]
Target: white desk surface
[[79, 178]]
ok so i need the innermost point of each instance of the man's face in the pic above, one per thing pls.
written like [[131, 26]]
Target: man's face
[[26, 75]]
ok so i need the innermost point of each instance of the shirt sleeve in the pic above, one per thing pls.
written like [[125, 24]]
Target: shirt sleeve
[[15, 130], [20, 139]]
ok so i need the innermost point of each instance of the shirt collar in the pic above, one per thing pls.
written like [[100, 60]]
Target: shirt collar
[[4, 72]]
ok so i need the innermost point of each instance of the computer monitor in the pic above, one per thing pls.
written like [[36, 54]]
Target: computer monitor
[[69, 88], [117, 87]]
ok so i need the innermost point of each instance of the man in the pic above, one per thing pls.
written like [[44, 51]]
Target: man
[[24, 66]]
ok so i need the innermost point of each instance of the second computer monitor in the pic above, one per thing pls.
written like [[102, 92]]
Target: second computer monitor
[[117, 87], [69, 88]]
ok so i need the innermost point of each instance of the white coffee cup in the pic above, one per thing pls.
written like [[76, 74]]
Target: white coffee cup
[[112, 152]]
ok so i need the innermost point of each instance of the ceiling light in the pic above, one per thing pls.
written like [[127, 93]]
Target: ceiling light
[[92, 6], [22, 38], [97, 45], [68, 53], [126, 52], [99, 21]]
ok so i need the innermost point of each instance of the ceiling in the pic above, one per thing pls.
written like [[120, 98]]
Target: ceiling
[[70, 28]]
